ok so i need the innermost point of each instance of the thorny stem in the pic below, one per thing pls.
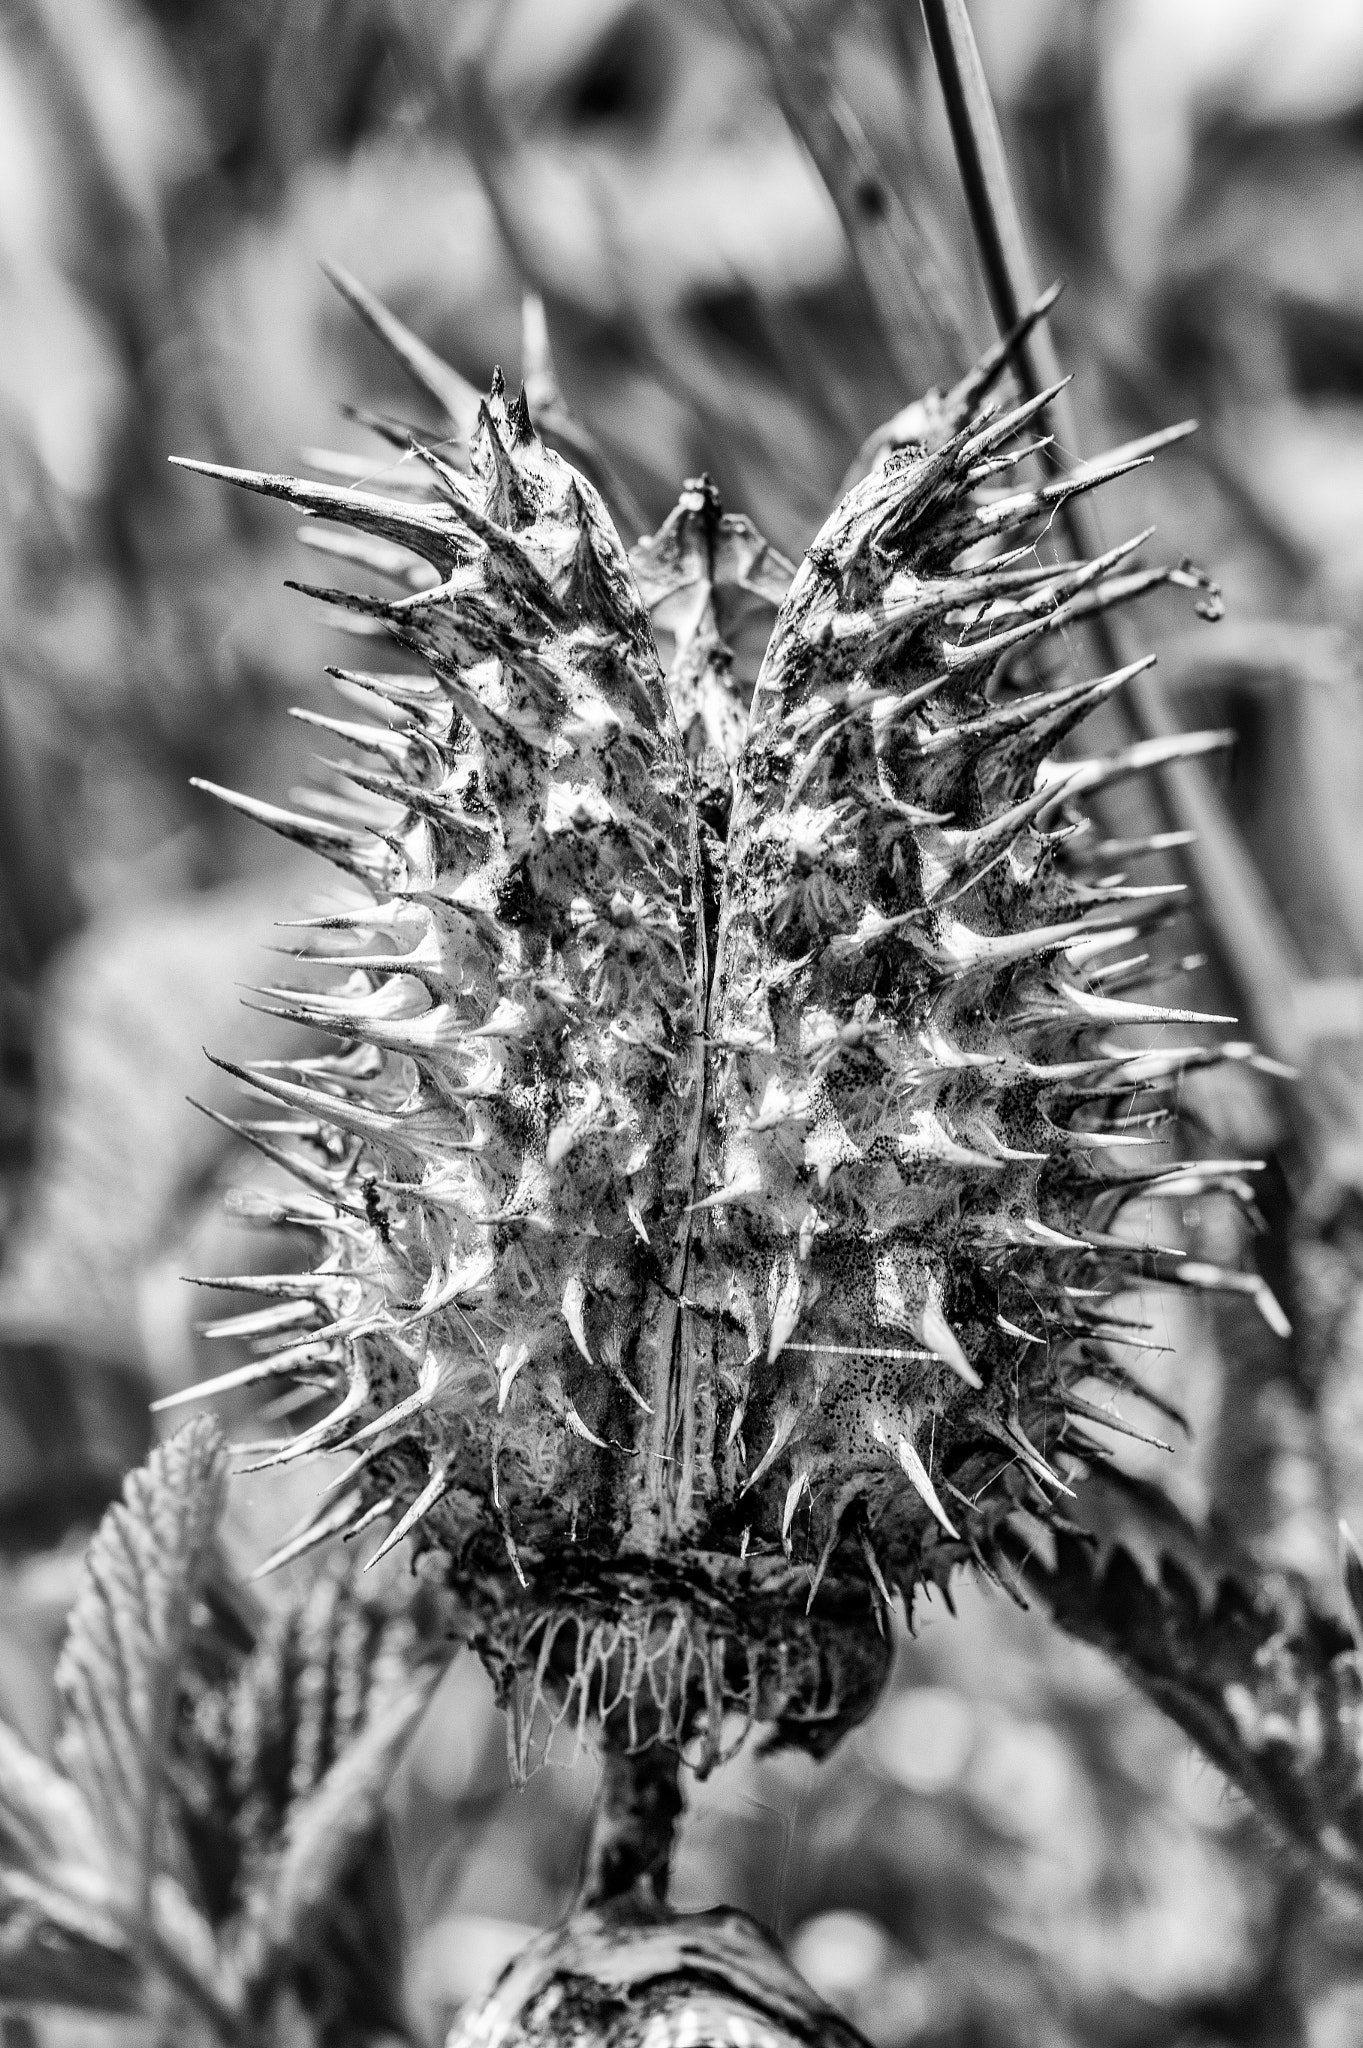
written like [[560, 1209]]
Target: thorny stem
[[1268, 1685], [638, 1805]]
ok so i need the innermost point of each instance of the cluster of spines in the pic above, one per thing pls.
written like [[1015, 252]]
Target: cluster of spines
[[907, 1227], [499, 1153], [725, 1124]]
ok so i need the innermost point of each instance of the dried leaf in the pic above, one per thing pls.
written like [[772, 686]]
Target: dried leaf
[[118, 1670]]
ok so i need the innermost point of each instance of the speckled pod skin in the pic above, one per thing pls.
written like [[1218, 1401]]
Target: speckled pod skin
[[638, 1979], [718, 1172]]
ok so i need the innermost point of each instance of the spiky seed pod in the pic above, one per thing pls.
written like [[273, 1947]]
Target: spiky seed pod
[[904, 1004], [717, 1176]]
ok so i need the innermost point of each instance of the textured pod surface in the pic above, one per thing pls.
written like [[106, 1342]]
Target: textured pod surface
[[646, 1980], [524, 1012], [720, 1173]]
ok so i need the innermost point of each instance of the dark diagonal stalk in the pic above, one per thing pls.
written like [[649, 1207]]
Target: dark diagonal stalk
[[1255, 949]]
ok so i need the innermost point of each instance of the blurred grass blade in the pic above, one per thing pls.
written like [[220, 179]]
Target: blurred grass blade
[[910, 297]]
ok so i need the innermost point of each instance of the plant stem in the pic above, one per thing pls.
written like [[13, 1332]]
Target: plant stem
[[1256, 951], [999, 237], [638, 1805]]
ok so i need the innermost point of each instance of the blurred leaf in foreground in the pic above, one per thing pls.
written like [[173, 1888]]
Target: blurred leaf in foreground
[[211, 1848]]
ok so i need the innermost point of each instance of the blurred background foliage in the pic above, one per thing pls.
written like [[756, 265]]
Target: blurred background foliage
[[1017, 1849]]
